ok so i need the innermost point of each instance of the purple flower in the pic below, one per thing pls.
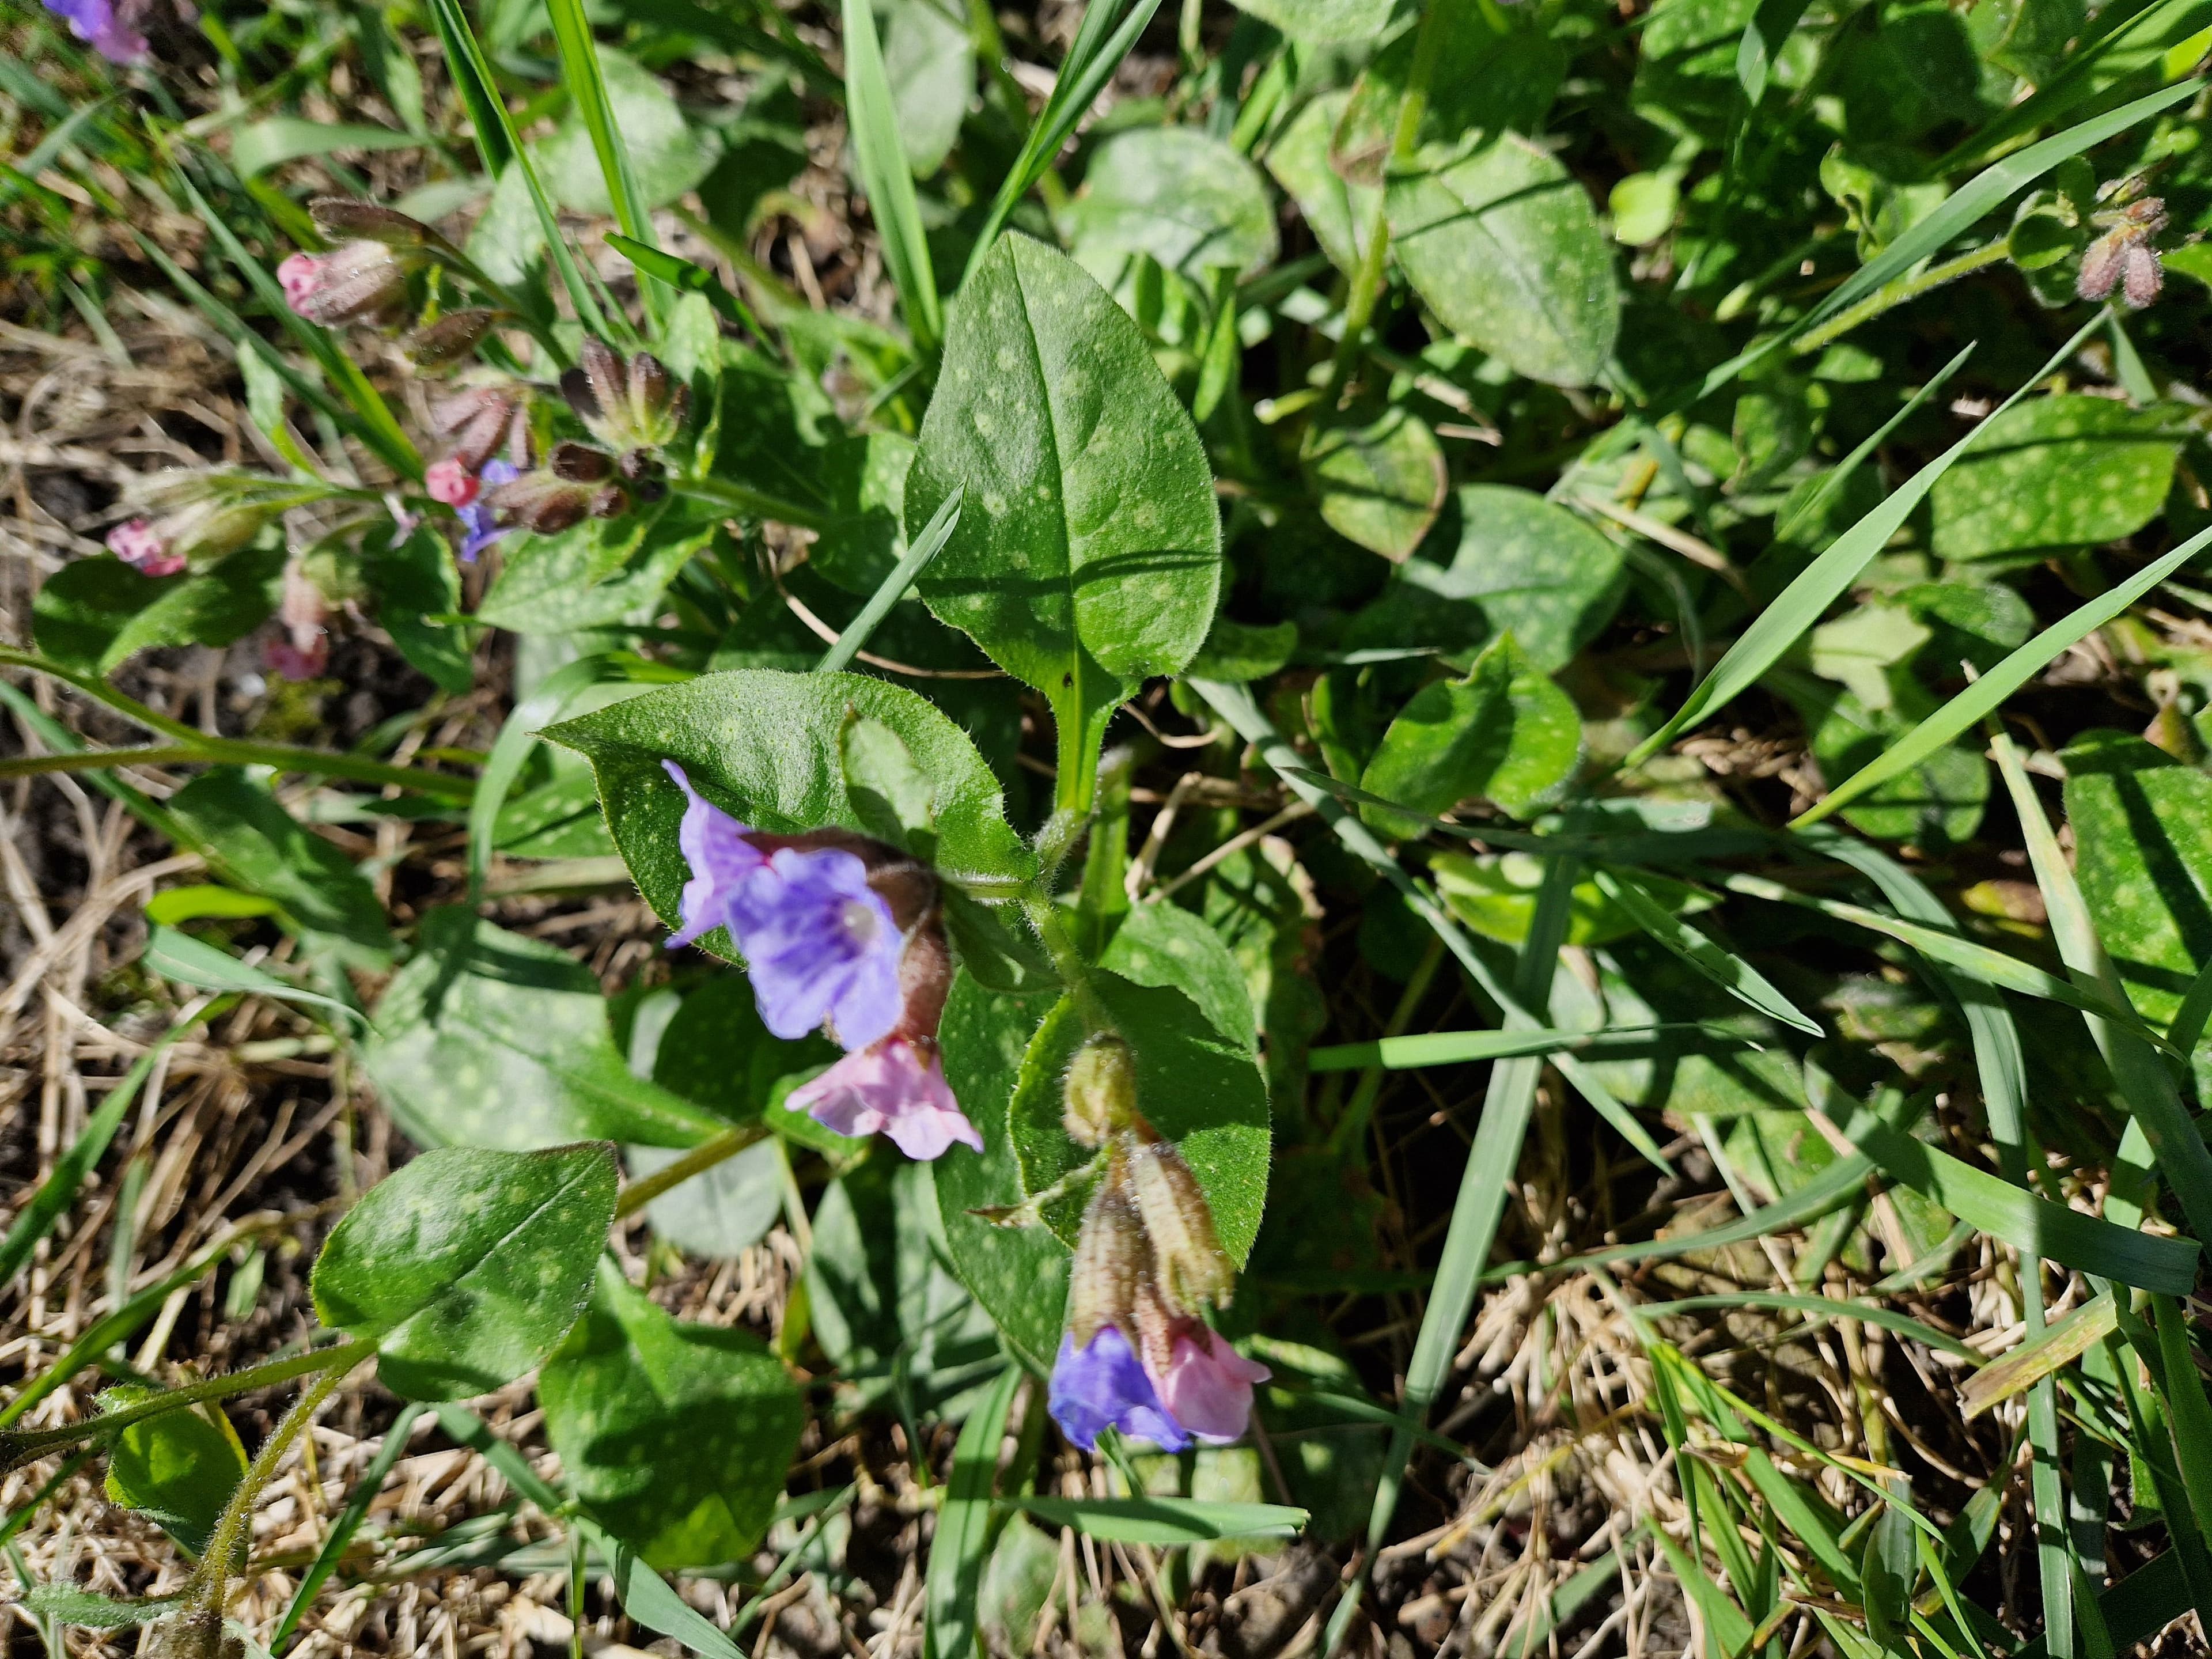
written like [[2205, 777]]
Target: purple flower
[[819, 943], [95, 22], [477, 518], [821, 946], [1104, 1385], [896, 1087]]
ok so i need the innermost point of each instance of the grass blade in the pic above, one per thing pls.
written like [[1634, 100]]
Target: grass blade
[[1165, 1520], [963, 1525], [1983, 696], [1730, 972], [2144, 1082], [187, 961], [1403, 1054], [879, 157], [465, 59], [1800, 604], [58, 1191], [511, 748], [2035, 1360], [347, 1523], [585, 79], [893, 587]]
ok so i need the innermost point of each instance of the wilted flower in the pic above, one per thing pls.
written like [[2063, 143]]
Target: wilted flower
[[106, 29], [360, 282], [138, 545], [895, 1087], [480, 529], [547, 503], [637, 407]]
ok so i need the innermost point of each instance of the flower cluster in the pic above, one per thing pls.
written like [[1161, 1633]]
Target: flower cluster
[[842, 932], [2122, 256], [1137, 1355]]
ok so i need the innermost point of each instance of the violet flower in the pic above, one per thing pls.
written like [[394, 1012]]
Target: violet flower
[[99, 24], [896, 1087], [820, 943], [477, 519], [1104, 1385]]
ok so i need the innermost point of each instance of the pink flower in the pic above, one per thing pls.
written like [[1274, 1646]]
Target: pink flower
[[895, 1087], [293, 662], [138, 545], [1207, 1385], [449, 481], [306, 651]]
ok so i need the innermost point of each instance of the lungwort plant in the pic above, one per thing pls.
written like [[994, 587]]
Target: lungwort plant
[[1433, 774]]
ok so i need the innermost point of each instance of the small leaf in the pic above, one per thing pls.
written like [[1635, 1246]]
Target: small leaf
[[1535, 570], [677, 1435], [1506, 249], [1380, 484], [67, 1604], [1177, 193], [467, 1266], [1337, 212], [180, 1467], [1505, 732]]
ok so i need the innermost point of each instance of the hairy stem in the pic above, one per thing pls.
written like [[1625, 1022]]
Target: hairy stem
[[1075, 972], [1891, 295], [226, 1544], [705, 1156], [17, 1449]]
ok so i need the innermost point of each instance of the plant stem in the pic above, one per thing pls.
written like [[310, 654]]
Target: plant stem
[[1052, 927], [752, 503], [705, 1156], [1367, 282], [229, 1541], [1894, 294], [17, 1449]]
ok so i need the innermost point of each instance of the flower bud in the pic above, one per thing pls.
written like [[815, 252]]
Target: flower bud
[[477, 420], [609, 501], [449, 339], [449, 481], [1189, 1265], [362, 281], [579, 463], [542, 503], [1111, 1258], [344, 217], [1100, 1092], [634, 407]]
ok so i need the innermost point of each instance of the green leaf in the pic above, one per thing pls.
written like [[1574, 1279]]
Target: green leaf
[[930, 62], [1336, 212], [258, 146], [1380, 483], [1165, 1520], [605, 570], [489, 1039], [1321, 20], [1018, 1274], [1488, 77], [1181, 195], [1505, 248], [2058, 471], [180, 1467], [67, 1604], [666, 155], [764, 745], [181, 958], [1534, 569], [253, 843], [1505, 733], [1088, 555], [466, 1267], [677, 1435], [2142, 855], [95, 613], [1164, 944]]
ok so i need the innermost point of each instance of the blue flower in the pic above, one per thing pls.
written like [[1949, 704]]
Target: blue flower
[[1105, 1385], [819, 943], [95, 22], [477, 520]]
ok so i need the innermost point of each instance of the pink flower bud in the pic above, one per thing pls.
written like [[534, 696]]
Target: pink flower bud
[[449, 481], [138, 545]]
